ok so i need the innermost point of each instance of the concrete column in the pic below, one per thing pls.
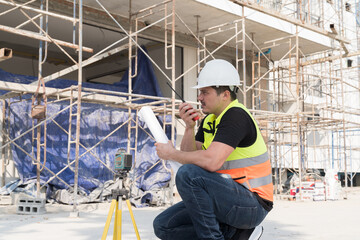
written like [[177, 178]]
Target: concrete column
[[190, 54]]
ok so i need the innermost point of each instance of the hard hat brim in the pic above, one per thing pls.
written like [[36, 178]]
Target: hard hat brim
[[199, 86]]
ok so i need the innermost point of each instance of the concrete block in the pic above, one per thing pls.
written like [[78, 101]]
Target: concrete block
[[16, 195], [30, 206]]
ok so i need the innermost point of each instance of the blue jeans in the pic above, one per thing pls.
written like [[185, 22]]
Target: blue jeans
[[213, 207]]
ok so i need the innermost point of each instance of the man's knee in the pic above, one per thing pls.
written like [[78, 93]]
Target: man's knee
[[187, 172], [188, 175], [158, 225]]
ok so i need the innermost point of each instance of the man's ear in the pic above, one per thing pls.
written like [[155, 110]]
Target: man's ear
[[226, 94]]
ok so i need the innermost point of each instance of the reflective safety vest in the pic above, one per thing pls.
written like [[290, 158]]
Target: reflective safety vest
[[249, 166]]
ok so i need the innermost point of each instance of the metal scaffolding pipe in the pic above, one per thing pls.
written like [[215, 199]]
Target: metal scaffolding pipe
[[38, 36], [22, 6]]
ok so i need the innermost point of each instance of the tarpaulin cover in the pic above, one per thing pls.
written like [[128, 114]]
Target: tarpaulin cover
[[97, 121]]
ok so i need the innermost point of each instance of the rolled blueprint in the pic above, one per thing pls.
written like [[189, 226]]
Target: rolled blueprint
[[147, 115]]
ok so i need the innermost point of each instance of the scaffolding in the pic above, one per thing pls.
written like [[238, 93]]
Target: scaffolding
[[298, 98], [314, 90]]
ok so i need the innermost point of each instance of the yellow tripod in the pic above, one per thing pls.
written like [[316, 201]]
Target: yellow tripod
[[116, 203]]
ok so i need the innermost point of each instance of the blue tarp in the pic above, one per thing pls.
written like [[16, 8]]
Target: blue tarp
[[97, 121]]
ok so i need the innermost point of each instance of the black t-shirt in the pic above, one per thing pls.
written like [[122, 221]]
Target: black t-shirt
[[236, 129]]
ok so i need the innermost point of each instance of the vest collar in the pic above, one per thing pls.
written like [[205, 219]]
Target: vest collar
[[212, 121], [232, 104]]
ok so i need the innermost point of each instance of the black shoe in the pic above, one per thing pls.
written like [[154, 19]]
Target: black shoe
[[248, 234]]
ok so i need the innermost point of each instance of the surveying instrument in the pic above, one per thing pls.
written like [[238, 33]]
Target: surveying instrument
[[122, 165]]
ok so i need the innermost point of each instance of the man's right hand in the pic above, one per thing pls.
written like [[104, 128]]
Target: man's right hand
[[188, 113]]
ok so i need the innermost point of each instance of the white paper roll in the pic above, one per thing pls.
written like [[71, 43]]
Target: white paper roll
[[147, 115]]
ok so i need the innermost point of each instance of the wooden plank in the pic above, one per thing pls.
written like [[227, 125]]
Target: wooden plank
[[54, 92]]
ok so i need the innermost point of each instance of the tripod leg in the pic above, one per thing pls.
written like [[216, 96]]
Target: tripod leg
[[117, 221], [133, 219], [108, 220]]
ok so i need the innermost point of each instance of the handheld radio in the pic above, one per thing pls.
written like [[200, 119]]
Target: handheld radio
[[195, 118]]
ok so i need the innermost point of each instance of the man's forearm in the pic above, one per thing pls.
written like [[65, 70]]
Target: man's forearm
[[188, 141], [211, 159]]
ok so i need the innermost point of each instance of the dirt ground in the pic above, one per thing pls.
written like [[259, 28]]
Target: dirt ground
[[328, 220]]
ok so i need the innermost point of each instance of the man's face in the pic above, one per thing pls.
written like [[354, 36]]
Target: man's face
[[210, 101]]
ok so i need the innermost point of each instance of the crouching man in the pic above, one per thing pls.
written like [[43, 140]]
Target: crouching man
[[225, 182]]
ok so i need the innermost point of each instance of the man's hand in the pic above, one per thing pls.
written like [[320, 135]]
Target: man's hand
[[165, 150], [188, 113]]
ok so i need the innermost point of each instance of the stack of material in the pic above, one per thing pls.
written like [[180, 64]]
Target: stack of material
[[332, 185], [307, 190], [322, 189], [319, 192]]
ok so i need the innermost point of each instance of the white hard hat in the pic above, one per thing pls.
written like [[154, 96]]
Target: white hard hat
[[218, 72]]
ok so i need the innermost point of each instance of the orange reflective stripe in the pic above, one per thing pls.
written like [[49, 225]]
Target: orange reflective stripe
[[265, 192], [257, 178], [259, 170], [251, 172]]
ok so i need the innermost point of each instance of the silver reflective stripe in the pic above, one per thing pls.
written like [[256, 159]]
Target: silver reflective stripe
[[245, 162], [258, 182], [245, 184]]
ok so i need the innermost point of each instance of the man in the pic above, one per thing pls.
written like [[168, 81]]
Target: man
[[226, 181]]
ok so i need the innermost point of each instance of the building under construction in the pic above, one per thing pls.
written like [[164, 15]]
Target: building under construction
[[297, 61]]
